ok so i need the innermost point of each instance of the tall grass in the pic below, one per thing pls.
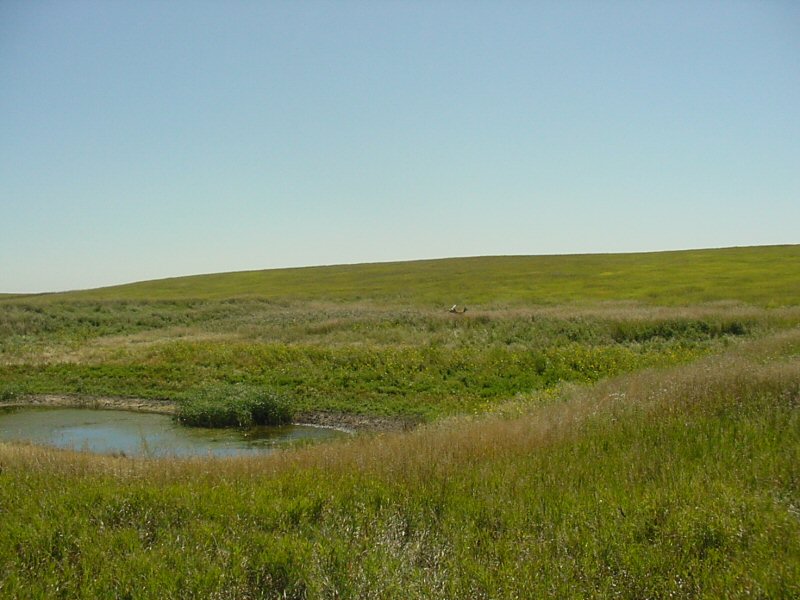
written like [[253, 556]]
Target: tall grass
[[666, 483], [234, 406], [583, 449], [407, 363]]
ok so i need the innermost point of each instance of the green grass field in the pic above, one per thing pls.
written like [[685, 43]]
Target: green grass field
[[594, 426], [761, 275]]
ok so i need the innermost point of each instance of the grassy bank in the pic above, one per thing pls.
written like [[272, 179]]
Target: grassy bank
[[668, 483], [414, 363], [377, 340]]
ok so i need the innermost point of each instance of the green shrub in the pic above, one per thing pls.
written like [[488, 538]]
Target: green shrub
[[8, 393], [234, 406]]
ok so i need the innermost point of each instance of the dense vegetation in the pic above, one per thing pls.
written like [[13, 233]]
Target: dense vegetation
[[591, 449], [367, 358], [234, 406]]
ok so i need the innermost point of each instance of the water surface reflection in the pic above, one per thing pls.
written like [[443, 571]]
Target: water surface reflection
[[145, 434]]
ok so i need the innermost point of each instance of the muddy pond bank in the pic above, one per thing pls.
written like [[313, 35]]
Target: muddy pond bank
[[342, 421]]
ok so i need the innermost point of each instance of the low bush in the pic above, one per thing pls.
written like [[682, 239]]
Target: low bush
[[7, 393], [234, 406]]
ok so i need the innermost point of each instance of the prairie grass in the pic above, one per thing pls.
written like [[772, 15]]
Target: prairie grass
[[665, 483], [362, 357], [591, 431], [412, 362], [764, 275]]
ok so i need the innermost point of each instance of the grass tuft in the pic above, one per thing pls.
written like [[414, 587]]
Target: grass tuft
[[234, 406]]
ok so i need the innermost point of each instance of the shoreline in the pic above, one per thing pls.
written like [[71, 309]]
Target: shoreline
[[164, 407], [352, 423]]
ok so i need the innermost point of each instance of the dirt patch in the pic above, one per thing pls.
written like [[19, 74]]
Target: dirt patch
[[165, 407], [350, 422]]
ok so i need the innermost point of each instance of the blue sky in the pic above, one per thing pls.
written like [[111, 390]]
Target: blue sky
[[148, 139]]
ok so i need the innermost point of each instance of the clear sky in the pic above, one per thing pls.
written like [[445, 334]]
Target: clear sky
[[145, 139]]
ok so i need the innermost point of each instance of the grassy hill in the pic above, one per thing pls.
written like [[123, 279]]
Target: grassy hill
[[764, 275], [595, 426]]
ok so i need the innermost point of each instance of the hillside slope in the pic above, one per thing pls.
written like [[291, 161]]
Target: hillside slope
[[763, 275]]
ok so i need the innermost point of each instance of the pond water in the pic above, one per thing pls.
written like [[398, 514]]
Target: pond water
[[145, 434]]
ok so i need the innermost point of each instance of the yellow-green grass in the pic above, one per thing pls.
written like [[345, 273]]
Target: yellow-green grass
[[377, 339], [414, 363], [671, 483], [765, 275]]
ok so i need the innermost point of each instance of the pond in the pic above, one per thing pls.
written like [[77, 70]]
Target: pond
[[145, 434]]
